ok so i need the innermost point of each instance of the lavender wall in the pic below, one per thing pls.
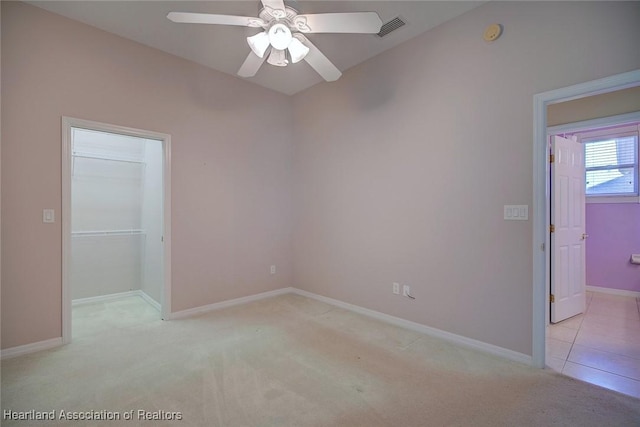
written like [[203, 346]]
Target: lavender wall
[[231, 149], [614, 234], [402, 167]]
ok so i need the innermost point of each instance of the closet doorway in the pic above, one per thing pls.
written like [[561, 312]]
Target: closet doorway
[[115, 219]]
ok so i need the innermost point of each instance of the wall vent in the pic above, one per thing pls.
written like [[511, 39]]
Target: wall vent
[[390, 26]]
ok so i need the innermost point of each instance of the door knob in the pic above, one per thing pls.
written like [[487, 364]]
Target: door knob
[[584, 236]]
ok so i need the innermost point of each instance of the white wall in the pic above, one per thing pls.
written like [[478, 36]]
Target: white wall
[[105, 265], [107, 196], [151, 214], [403, 166]]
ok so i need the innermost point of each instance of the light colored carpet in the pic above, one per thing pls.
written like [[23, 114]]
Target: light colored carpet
[[291, 361]]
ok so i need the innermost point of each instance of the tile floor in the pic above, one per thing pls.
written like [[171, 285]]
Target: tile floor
[[600, 346]]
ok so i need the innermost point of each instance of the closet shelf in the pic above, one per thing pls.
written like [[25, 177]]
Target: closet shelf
[[111, 159], [94, 233]]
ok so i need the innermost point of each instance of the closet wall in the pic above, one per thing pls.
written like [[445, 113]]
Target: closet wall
[[152, 261], [116, 222]]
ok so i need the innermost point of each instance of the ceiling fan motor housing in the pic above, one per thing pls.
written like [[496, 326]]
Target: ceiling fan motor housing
[[268, 15], [289, 18], [279, 26]]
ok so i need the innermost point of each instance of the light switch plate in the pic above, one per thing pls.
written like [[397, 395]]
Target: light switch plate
[[516, 212], [48, 216]]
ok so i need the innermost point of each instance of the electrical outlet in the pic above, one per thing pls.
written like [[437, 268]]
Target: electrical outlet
[[406, 290], [396, 288], [273, 269]]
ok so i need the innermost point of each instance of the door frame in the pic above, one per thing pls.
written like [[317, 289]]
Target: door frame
[[165, 139], [542, 193]]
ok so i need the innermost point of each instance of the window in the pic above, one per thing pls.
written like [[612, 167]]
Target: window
[[611, 164]]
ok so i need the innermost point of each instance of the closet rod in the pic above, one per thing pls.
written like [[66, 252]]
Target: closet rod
[[95, 233], [86, 156]]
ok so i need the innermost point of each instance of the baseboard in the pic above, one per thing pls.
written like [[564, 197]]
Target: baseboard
[[145, 296], [407, 324], [111, 297], [229, 303], [423, 329], [619, 292], [55, 342], [103, 298], [30, 348]]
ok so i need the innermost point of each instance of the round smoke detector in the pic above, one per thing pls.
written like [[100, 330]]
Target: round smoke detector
[[493, 32]]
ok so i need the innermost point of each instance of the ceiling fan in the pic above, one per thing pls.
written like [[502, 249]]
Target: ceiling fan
[[282, 40]]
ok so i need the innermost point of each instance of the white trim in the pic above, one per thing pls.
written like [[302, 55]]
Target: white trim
[[612, 132], [120, 295], [66, 229], [595, 123], [165, 296], [423, 329], [190, 312], [67, 124], [540, 218], [612, 199], [407, 324], [30, 348], [155, 304], [101, 233], [104, 298], [619, 292]]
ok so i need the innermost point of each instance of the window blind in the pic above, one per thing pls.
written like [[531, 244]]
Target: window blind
[[611, 165]]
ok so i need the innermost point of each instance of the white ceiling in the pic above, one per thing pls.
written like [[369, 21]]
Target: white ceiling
[[224, 48]]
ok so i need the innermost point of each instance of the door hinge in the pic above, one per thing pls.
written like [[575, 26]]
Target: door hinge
[[552, 298], [552, 228], [552, 158]]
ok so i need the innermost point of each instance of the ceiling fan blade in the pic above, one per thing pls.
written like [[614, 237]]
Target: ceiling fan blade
[[353, 22], [318, 61], [210, 18], [251, 65]]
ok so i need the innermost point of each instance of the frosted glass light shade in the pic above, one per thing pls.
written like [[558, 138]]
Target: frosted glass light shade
[[297, 50], [259, 43], [280, 36], [278, 58]]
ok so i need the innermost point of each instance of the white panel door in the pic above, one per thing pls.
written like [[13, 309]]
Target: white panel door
[[568, 282]]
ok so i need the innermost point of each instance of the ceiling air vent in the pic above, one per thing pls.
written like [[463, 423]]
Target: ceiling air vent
[[390, 26]]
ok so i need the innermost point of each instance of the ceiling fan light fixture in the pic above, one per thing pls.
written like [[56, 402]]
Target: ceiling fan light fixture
[[278, 58], [277, 44], [259, 43], [280, 36], [297, 50]]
